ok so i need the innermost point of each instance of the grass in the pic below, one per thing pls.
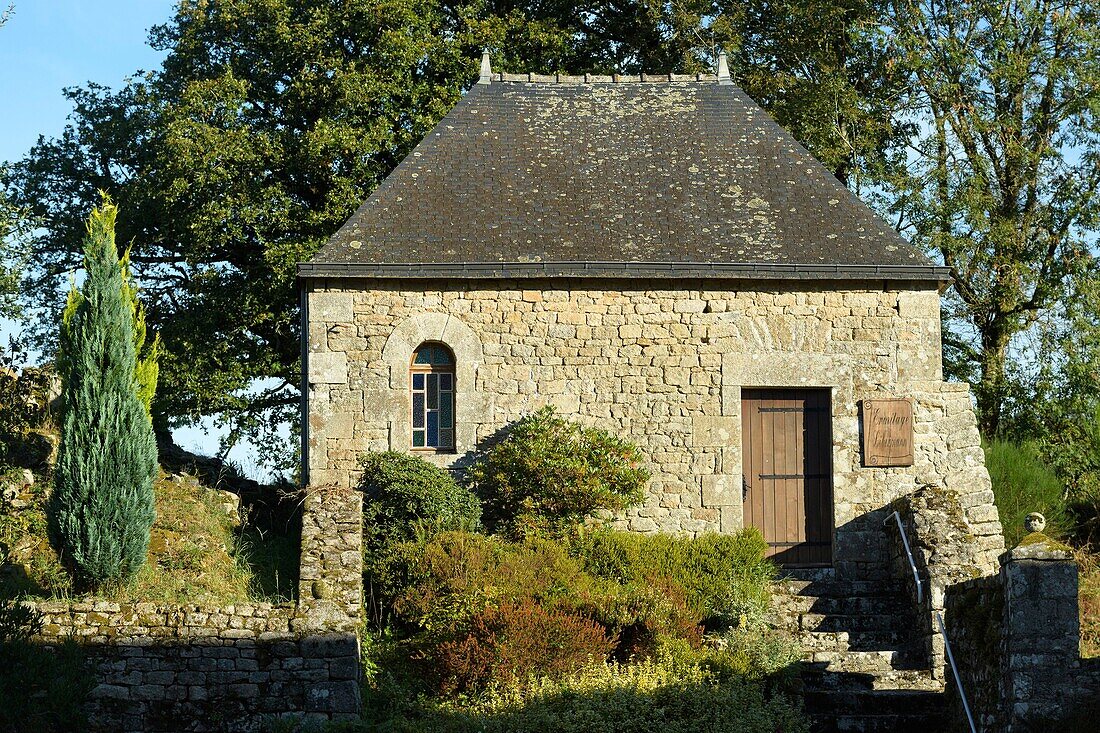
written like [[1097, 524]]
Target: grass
[[196, 554], [1022, 484], [1088, 600]]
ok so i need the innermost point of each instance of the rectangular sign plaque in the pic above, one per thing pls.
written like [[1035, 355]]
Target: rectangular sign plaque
[[887, 433]]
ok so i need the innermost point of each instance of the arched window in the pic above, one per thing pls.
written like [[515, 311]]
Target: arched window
[[432, 380]]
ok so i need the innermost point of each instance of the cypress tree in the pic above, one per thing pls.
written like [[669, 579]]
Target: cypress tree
[[102, 505]]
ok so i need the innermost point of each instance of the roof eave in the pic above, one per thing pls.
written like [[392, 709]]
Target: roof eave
[[657, 270]]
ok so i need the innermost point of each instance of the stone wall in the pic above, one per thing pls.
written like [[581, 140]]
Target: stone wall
[[1016, 639], [228, 668], [207, 669], [662, 363], [947, 548], [974, 611]]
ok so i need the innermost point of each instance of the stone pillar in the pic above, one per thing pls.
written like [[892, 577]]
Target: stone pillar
[[1040, 631], [331, 576]]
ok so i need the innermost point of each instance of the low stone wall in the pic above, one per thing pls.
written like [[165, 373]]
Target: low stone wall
[[206, 669], [162, 669], [973, 616]]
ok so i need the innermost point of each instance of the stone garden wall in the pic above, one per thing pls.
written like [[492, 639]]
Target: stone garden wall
[[161, 669], [662, 363], [1016, 640], [947, 548]]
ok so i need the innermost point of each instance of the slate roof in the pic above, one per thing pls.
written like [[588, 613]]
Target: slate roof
[[667, 176]]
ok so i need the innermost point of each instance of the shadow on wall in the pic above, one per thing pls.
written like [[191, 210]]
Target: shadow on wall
[[203, 686], [865, 594]]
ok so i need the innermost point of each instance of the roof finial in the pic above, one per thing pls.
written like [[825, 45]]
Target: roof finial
[[486, 69], [723, 69]]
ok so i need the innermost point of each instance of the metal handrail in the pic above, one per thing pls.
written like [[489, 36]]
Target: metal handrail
[[909, 553], [955, 671], [939, 620]]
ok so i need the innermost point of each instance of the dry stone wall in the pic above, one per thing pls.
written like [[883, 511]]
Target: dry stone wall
[[662, 363], [164, 669], [1016, 638], [161, 669]]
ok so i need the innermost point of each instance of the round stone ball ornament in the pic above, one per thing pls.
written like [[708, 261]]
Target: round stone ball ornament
[[1035, 522]]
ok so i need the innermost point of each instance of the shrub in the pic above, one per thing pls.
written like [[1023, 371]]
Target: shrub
[[725, 578], [549, 474], [405, 497], [1022, 484], [405, 494], [516, 641], [676, 691], [102, 506], [456, 574]]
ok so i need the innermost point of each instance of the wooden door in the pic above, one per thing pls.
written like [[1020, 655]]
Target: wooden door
[[786, 460]]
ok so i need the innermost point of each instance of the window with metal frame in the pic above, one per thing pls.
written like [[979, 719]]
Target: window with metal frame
[[432, 388]]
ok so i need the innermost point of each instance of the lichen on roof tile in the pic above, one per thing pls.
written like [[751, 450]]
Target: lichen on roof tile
[[606, 171]]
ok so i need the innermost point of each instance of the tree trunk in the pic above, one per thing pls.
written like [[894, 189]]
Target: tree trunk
[[990, 391]]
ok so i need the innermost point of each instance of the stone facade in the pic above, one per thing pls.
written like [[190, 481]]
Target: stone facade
[[661, 362]]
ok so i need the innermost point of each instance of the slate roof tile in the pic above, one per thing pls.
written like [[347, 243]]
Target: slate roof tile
[[686, 177]]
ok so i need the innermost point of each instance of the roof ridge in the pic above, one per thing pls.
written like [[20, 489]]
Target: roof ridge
[[601, 78]]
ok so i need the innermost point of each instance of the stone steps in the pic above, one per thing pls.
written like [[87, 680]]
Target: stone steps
[[857, 673]]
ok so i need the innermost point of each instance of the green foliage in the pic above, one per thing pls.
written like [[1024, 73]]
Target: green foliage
[[41, 690], [30, 564], [197, 554], [725, 578], [549, 474], [405, 497], [18, 621], [469, 599], [1002, 182], [102, 506], [599, 630], [1022, 484], [677, 690], [24, 398], [1073, 452]]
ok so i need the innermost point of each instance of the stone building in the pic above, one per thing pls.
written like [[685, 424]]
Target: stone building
[[653, 255]]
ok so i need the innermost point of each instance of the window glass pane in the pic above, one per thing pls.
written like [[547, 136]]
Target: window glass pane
[[445, 412], [418, 409], [418, 439], [433, 429], [446, 438], [418, 381], [423, 356], [441, 356], [433, 391], [446, 381]]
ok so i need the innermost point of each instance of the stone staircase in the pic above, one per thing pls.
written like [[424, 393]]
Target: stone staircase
[[861, 670]]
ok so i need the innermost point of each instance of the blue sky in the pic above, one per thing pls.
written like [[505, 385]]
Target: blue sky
[[48, 45], [51, 44]]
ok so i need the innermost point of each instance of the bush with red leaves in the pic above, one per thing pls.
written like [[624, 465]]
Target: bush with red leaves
[[509, 643]]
